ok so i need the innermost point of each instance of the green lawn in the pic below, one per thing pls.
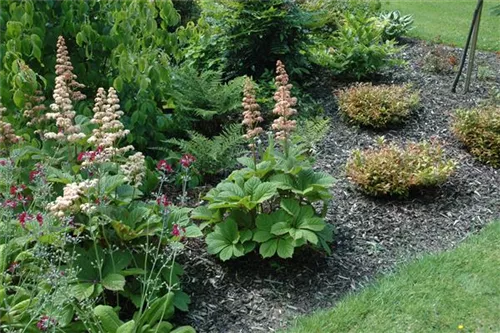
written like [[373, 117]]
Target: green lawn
[[455, 291], [450, 19]]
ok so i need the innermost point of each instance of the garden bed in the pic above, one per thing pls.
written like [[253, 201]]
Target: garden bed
[[372, 235]]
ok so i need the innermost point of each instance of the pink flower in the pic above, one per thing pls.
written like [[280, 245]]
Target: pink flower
[[81, 156], [35, 174], [45, 322], [13, 267], [163, 201], [39, 218], [186, 160], [23, 217], [162, 165], [176, 231], [10, 203]]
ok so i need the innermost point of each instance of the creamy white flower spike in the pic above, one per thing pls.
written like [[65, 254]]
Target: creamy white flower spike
[[65, 93]]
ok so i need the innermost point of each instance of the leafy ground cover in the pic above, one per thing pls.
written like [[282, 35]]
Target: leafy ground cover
[[449, 21], [453, 291]]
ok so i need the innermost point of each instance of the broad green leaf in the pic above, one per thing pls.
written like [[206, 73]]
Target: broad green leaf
[[251, 185], [114, 282], [310, 236], [109, 319], [264, 192], [202, 213], [312, 223], [285, 248], [262, 236], [280, 228], [229, 230], [82, 291], [246, 161], [216, 242], [291, 206], [160, 309], [193, 231], [128, 327], [245, 235], [226, 253], [184, 329], [19, 98], [268, 249]]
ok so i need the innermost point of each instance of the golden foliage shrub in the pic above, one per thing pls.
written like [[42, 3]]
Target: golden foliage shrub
[[479, 130], [391, 170], [377, 106]]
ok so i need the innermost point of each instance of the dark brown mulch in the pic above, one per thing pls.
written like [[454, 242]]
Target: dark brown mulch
[[255, 295]]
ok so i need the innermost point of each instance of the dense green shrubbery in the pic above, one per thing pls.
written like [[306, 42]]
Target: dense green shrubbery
[[125, 43], [356, 49], [390, 170], [479, 130], [269, 203], [377, 106], [252, 35]]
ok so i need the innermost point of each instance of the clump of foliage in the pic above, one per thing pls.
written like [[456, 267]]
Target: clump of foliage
[[252, 35], [213, 155], [357, 48], [128, 39], [82, 247], [440, 60], [377, 106], [188, 10], [202, 101], [310, 132], [395, 24], [269, 203], [394, 171], [479, 130]]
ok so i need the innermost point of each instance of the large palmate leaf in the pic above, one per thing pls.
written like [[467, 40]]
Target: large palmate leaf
[[228, 242], [241, 194], [308, 183]]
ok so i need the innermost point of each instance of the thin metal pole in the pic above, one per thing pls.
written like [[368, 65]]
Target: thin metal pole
[[464, 54], [473, 50]]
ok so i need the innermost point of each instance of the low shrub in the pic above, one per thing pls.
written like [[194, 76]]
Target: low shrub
[[479, 130], [269, 202], [390, 170], [440, 60], [377, 106]]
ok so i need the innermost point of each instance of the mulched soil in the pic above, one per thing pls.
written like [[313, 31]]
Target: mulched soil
[[255, 295]]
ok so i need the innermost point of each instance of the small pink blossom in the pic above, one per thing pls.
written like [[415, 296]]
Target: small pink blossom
[[162, 165], [163, 201], [186, 160]]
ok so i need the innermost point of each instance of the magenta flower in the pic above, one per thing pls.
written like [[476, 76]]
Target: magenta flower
[[162, 165], [45, 322], [186, 160], [163, 201]]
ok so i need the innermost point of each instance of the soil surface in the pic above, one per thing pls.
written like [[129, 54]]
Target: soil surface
[[372, 235]]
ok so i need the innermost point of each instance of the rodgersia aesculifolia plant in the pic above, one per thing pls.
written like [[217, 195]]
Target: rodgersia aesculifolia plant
[[268, 204]]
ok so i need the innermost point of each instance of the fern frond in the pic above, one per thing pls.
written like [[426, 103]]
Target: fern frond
[[213, 154], [311, 131]]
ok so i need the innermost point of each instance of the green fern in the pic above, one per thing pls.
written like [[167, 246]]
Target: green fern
[[311, 131], [213, 155], [203, 96]]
